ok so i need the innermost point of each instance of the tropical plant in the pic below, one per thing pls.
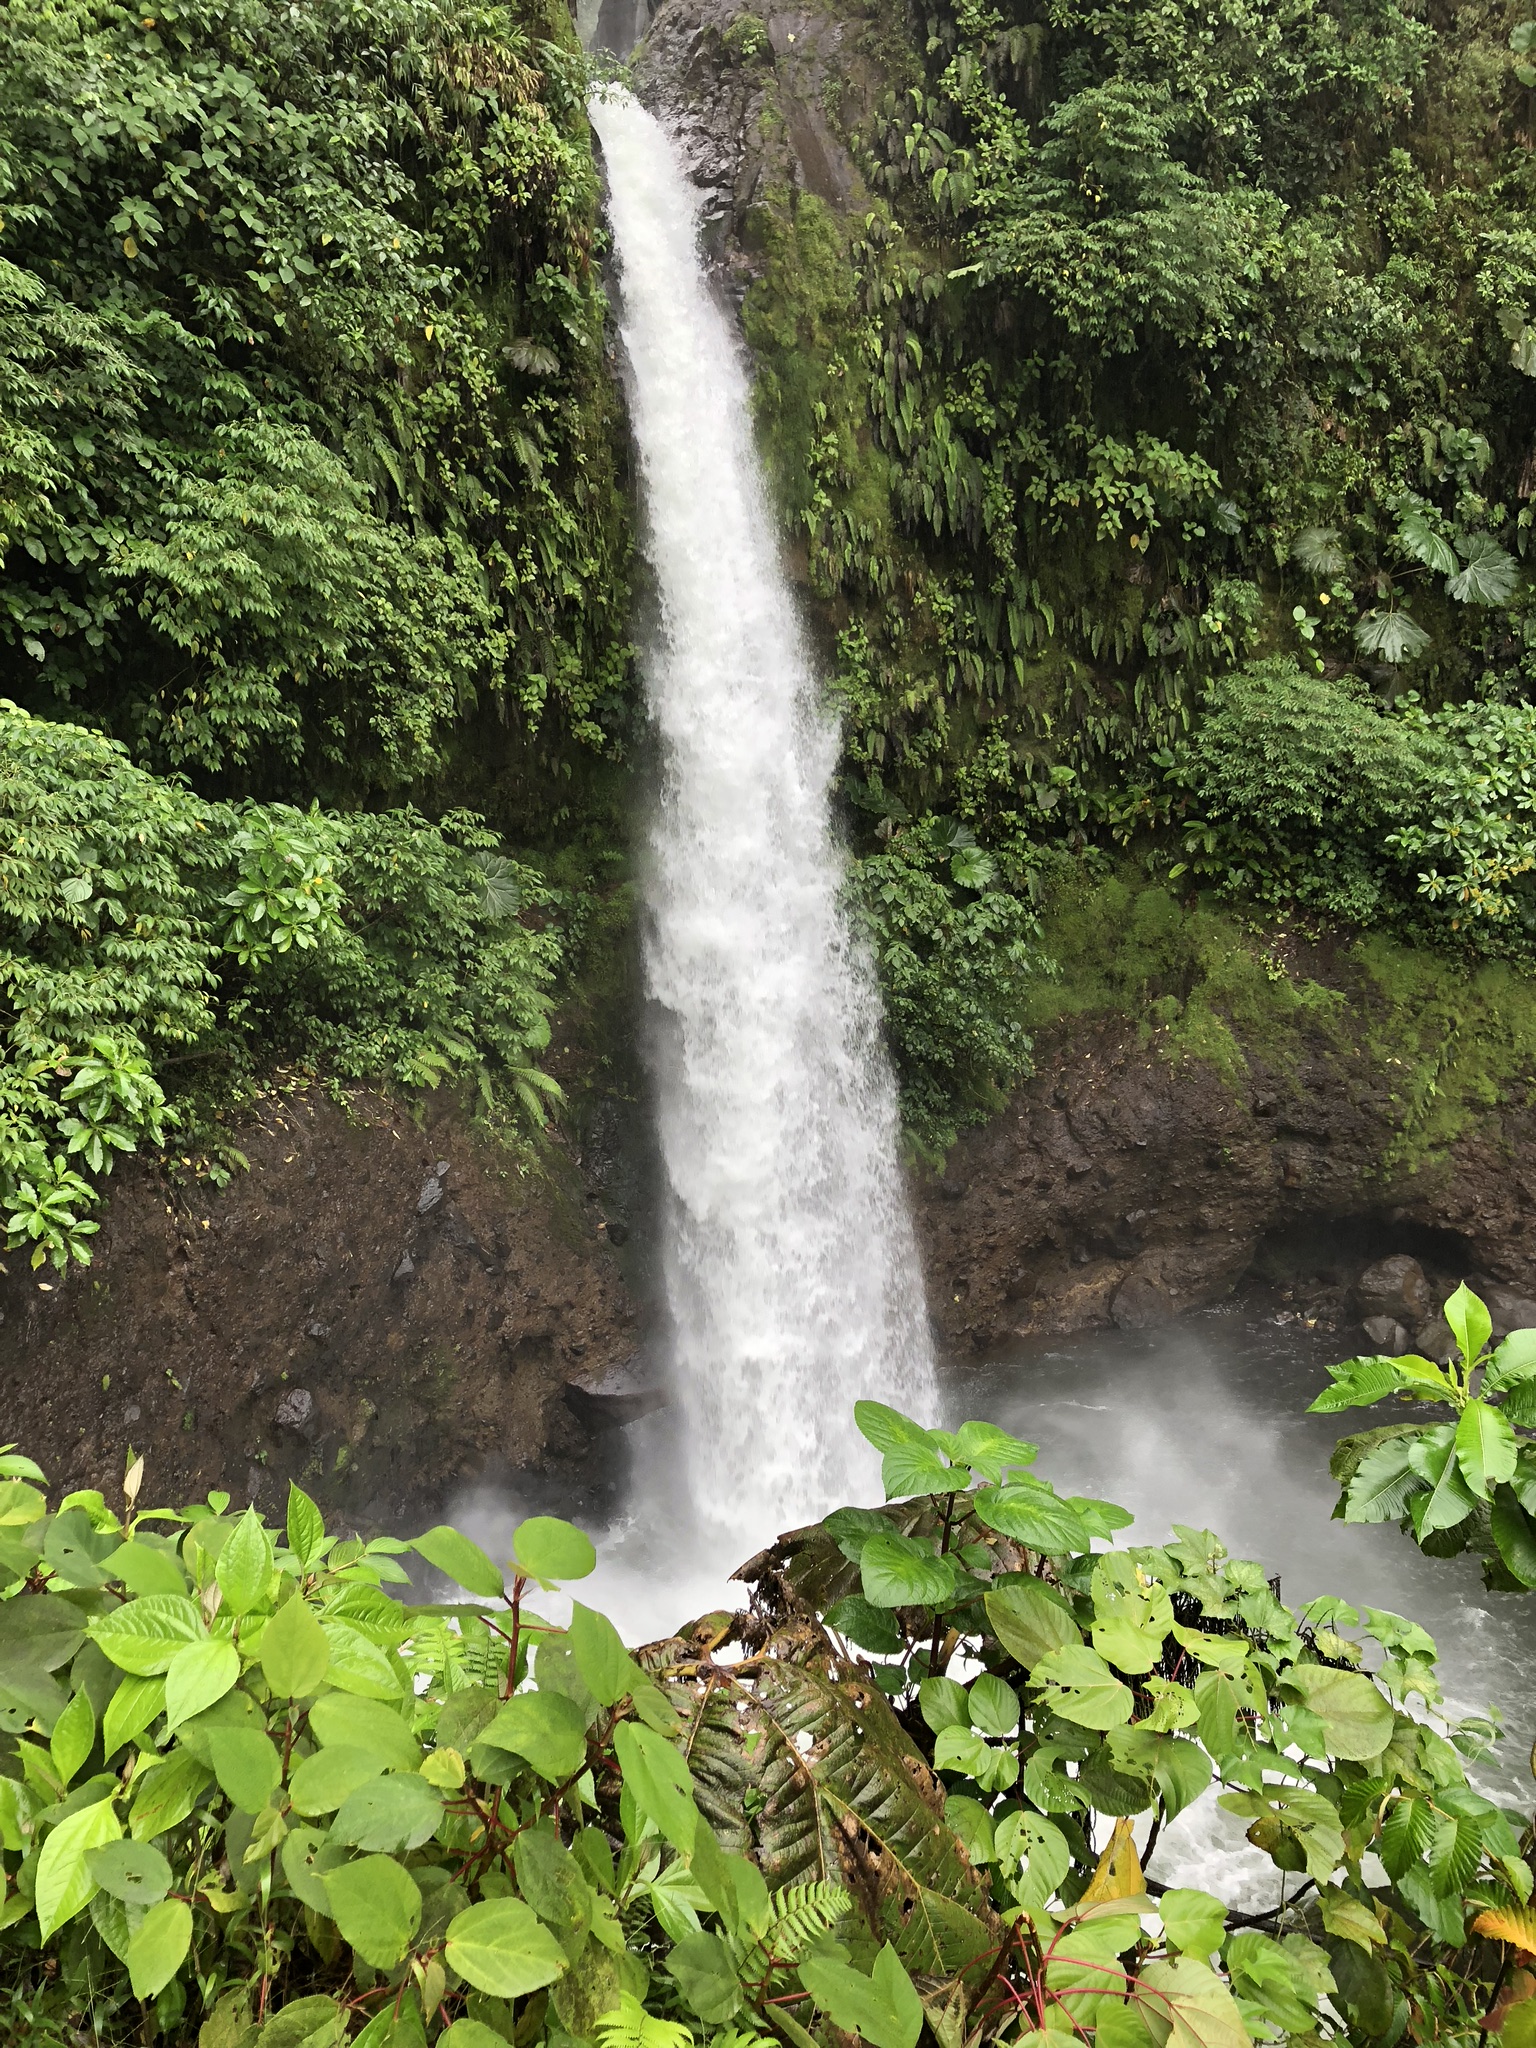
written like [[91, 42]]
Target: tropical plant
[[140, 924], [306, 450], [253, 1782], [1468, 1483]]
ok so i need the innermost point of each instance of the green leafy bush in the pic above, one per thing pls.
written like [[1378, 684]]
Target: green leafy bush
[[138, 922], [1292, 782], [1466, 1484], [253, 1784], [306, 444], [955, 953]]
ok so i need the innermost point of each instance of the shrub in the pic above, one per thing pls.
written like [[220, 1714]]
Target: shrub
[[245, 1787], [137, 921]]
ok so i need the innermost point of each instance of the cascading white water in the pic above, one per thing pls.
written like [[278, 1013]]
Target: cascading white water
[[790, 1268]]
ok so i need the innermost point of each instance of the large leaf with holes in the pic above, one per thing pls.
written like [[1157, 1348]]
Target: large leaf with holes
[[844, 1797]]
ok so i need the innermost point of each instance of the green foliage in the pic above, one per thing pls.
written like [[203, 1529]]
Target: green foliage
[[955, 954], [1142, 462], [140, 925], [1469, 1483], [306, 441], [245, 1790]]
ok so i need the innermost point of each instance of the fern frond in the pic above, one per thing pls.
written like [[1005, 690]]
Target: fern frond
[[801, 1913], [631, 2026]]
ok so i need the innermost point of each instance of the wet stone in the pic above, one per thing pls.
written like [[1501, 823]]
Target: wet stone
[[295, 1408]]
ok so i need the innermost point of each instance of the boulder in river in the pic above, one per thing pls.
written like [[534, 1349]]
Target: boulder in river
[[1434, 1340], [1388, 1337], [1395, 1287]]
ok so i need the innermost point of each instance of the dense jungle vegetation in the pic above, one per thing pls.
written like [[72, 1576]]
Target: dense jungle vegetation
[[1164, 436], [266, 1787], [1160, 430], [314, 575]]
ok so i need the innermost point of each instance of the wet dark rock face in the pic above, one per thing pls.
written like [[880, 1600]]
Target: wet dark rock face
[[382, 1310], [753, 118], [1121, 1188]]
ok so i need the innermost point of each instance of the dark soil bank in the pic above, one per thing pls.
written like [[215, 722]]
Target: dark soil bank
[[1123, 1187], [347, 1314]]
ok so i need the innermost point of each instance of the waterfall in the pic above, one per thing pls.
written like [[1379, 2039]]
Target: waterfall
[[790, 1269]]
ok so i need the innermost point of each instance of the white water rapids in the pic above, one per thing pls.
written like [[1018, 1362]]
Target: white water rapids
[[789, 1265]]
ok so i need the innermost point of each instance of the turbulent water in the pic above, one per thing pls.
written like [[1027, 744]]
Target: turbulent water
[[790, 1270]]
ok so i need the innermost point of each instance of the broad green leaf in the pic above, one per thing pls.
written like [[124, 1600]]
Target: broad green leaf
[[1418, 538], [1471, 1324], [1486, 1447], [163, 1797], [1029, 1513], [1220, 1698], [1081, 1687], [1127, 1645], [897, 1571], [943, 1704], [1194, 1921], [658, 1779], [1181, 1771], [396, 1813], [552, 1882], [360, 1666], [1514, 1536], [64, 1881], [245, 1564], [1383, 1482], [294, 1653], [1490, 577], [470, 2034], [994, 1705], [606, 1667], [1514, 1360], [20, 1504], [322, 1781], [1321, 552], [1356, 1717], [314, 2022], [551, 1550], [886, 1428], [1392, 635], [73, 1735], [142, 1636], [971, 1821], [247, 1765], [135, 1872], [546, 1728], [307, 1855], [351, 1723], [990, 1451], [377, 1907], [1362, 1383], [305, 1525], [158, 1948], [914, 1469], [500, 1946], [196, 1676], [1190, 2007], [960, 1749], [884, 2007], [870, 1627], [1348, 1920], [143, 1569], [1451, 1500], [702, 1967], [460, 1560], [1030, 1619]]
